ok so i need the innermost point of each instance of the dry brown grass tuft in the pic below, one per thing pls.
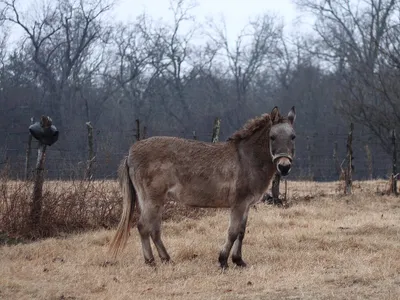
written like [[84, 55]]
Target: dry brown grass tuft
[[68, 207], [323, 246]]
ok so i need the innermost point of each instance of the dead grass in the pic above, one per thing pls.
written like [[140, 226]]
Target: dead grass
[[323, 246], [68, 207]]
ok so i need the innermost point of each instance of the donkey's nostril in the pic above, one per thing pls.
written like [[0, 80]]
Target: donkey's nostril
[[284, 169]]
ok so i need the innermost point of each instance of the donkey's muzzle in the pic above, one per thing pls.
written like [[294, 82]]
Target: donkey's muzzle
[[284, 166]]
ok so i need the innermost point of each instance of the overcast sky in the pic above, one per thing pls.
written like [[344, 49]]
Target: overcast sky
[[235, 12]]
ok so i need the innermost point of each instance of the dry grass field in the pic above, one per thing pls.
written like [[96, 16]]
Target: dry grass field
[[322, 246]]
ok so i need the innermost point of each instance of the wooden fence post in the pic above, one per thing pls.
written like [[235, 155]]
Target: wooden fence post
[[28, 153], [38, 186], [394, 163], [91, 156], [144, 132], [309, 171], [285, 195], [349, 157], [47, 135], [369, 161], [137, 130], [336, 158], [216, 129], [194, 135], [275, 189]]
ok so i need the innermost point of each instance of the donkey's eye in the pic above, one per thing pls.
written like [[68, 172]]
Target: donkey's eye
[[272, 137], [293, 137]]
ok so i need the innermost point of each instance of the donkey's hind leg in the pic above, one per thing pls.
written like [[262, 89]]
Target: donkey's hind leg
[[156, 235], [149, 225], [144, 232]]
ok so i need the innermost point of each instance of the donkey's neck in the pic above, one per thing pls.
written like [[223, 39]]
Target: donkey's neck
[[254, 150]]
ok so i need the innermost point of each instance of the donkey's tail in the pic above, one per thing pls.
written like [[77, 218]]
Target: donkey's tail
[[118, 243]]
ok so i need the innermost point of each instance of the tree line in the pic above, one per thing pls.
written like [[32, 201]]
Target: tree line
[[73, 63]]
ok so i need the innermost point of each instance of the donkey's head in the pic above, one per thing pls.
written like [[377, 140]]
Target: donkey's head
[[281, 140]]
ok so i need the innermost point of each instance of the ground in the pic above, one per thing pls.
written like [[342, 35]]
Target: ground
[[322, 246]]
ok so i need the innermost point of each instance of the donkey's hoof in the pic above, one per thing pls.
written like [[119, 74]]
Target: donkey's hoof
[[239, 262], [166, 261], [223, 264], [223, 261], [150, 262]]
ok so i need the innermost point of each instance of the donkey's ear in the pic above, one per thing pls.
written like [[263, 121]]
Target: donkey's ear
[[275, 115], [292, 115]]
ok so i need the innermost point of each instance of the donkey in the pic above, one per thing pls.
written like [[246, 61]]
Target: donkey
[[233, 174]]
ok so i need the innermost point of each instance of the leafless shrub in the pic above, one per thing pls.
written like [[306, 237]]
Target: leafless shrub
[[69, 207]]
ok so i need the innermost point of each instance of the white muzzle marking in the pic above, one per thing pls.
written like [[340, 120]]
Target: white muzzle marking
[[279, 155]]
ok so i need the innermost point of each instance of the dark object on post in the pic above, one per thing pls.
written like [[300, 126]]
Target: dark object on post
[[47, 135], [44, 131]]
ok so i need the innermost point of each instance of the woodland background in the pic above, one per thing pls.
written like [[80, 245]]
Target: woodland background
[[75, 65]]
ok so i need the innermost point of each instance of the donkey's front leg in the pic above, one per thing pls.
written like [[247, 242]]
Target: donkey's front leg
[[237, 246], [238, 214]]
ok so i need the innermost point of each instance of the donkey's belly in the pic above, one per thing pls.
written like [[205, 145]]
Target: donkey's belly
[[204, 202], [201, 195]]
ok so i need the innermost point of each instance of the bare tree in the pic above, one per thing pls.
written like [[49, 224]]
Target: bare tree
[[158, 62], [350, 33], [61, 38], [357, 39], [139, 60], [255, 49], [3, 39], [178, 51]]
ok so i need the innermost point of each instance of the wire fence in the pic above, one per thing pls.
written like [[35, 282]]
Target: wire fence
[[318, 156]]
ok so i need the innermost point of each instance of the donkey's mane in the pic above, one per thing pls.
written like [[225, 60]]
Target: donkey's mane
[[250, 127], [253, 125]]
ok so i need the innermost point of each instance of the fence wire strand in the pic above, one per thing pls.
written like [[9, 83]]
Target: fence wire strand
[[314, 153]]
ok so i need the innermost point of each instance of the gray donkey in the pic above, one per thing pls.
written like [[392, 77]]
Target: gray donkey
[[234, 174]]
